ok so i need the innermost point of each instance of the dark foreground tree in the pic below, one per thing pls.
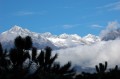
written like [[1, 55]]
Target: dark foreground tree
[[4, 63], [18, 55], [48, 68], [23, 43], [18, 63], [25, 62]]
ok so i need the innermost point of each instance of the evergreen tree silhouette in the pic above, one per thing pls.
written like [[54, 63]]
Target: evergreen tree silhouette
[[101, 68], [47, 65], [11, 64], [23, 43], [34, 54], [4, 63], [18, 55], [28, 42], [114, 73], [19, 42]]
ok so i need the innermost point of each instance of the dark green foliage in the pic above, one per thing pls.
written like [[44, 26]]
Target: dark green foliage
[[18, 56], [41, 59], [45, 60], [34, 54], [114, 73], [101, 68], [56, 67], [13, 56], [115, 69], [19, 42], [4, 62], [28, 42], [1, 50], [23, 43], [86, 75], [66, 69], [102, 73], [47, 54], [47, 67]]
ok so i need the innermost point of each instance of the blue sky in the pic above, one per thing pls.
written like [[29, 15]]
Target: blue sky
[[59, 16]]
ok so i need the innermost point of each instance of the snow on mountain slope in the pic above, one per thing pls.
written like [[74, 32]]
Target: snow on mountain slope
[[89, 39], [40, 40], [65, 40], [10, 35]]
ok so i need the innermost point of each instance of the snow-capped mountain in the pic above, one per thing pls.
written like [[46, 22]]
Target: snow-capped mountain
[[89, 39], [41, 40], [65, 40], [7, 37]]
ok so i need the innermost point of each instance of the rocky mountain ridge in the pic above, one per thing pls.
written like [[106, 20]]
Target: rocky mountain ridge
[[40, 40]]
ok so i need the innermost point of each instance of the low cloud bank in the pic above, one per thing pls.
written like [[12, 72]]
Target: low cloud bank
[[89, 56]]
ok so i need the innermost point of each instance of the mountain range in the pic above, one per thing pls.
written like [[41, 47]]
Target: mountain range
[[62, 41], [41, 40]]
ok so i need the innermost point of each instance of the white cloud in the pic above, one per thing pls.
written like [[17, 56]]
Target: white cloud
[[112, 26], [89, 56], [68, 26], [112, 6], [96, 26]]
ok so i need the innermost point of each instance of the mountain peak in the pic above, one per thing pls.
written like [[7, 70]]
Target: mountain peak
[[16, 28]]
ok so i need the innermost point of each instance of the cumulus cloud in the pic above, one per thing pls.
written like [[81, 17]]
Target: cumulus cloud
[[111, 26], [111, 31], [91, 55]]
